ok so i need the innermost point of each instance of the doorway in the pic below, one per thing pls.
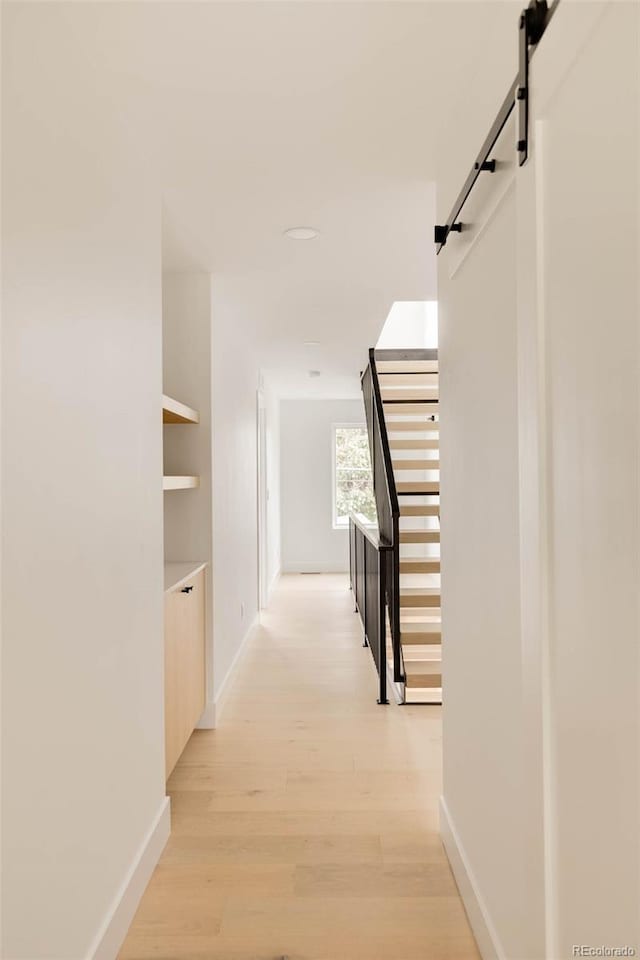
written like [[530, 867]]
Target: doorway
[[263, 496]]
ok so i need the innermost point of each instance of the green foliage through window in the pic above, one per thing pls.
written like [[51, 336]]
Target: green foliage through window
[[353, 479]]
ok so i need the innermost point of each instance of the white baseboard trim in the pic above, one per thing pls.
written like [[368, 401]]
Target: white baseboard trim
[[483, 929], [213, 710], [114, 929], [273, 583], [314, 566], [208, 719]]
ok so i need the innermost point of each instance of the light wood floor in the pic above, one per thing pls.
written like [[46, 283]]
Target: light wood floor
[[305, 827]]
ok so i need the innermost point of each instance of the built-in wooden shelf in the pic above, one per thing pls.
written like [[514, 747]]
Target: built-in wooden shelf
[[180, 483], [175, 412]]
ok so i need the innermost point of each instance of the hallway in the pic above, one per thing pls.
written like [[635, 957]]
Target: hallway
[[306, 825]]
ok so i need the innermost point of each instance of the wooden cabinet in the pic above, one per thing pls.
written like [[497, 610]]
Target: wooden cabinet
[[184, 664]]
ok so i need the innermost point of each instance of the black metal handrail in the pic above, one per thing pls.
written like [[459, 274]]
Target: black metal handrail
[[387, 504], [370, 531], [368, 564]]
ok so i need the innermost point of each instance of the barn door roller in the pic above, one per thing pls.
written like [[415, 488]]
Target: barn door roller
[[531, 26]]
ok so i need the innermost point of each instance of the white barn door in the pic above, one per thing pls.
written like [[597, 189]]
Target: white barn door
[[540, 387], [578, 301]]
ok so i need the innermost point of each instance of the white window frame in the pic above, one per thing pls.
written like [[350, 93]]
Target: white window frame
[[353, 425]]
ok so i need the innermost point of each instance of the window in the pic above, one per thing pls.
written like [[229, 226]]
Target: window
[[352, 480]]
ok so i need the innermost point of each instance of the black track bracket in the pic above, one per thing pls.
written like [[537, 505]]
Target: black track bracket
[[532, 24]]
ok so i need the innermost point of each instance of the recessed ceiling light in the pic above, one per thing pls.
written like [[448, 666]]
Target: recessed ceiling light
[[301, 233], [312, 343], [314, 373]]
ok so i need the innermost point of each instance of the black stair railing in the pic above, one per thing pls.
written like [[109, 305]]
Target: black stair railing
[[387, 507], [368, 565]]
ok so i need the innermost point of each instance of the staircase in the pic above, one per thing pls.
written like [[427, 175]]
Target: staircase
[[400, 390]]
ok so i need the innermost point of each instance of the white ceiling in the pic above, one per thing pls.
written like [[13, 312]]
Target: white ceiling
[[307, 113]]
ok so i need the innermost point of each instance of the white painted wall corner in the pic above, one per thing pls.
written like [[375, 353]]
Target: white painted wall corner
[[483, 929], [122, 910]]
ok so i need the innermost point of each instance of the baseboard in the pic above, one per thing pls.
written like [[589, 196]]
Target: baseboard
[[213, 710], [273, 583], [483, 929], [114, 928], [314, 566], [208, 719]]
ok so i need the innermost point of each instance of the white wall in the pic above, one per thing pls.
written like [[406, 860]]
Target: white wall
[[540, 533], [480, 571], [586, 190], [274, 558], [410, 323], [82, 728], [309, 542], [186, 315], [235, 502], [485, 805]]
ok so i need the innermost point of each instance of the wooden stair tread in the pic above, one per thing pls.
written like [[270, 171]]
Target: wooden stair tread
[[414, 443], [419, 509], [431, 655], [421, 634], [412, 617], [414, 592], [425, 407], [423, 673], [403, 394], [421, 565], [418, 487], [419, 536], [412, 426], [411, 378], [419, 597], [406, 366], [421, 624], [431, 463]]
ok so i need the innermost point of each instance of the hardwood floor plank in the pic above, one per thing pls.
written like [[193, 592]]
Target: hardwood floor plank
[[412, 879], [306, 825], [300, 946], [274, 849]]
